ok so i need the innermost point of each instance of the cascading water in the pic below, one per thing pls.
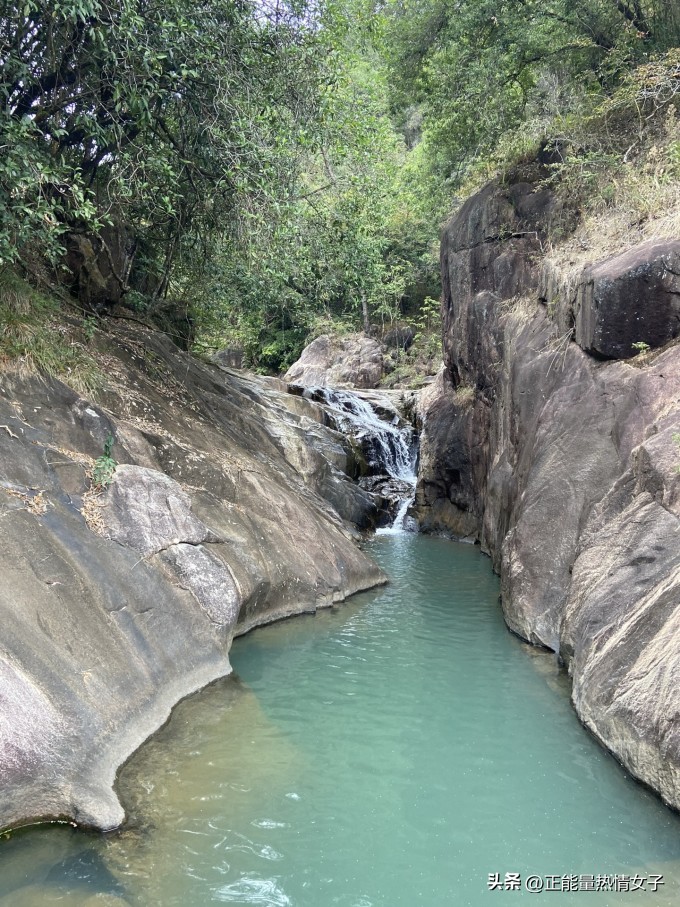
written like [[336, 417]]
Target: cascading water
[[389, 446], [401, 520]]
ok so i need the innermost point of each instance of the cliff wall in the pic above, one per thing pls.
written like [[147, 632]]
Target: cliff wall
[[552, 442]]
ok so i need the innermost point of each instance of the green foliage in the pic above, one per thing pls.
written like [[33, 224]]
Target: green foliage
[[351, 238], [641, 346], [89, 327], [104, 467], [36, 192], [481, 70], [246, 148], [409, 368], [278, 168], [429, 319], [170, 118]]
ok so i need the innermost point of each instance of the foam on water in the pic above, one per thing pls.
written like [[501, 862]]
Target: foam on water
[[392, 444]]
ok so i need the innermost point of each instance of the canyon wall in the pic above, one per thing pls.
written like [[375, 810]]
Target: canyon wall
[[549, 439], [231, 506]]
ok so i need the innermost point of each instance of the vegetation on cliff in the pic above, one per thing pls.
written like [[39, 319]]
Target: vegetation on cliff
[[255, 173]]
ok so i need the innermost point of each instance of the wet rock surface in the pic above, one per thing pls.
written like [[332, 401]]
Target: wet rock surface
[[231, 506], [563, 462], [379, 425]]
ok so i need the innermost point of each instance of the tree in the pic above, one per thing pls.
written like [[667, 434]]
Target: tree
[[478, 68], [338, 249], [166, 117]]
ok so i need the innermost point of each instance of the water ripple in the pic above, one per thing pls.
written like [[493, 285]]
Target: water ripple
[[253, 891], [389, 753]]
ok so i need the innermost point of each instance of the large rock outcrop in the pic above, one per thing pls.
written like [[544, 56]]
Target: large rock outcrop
[[620, 304], [230, 509], [544, 442], [99, 266], [352, 361]]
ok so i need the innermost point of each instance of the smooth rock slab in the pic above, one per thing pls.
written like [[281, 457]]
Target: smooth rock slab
[[209, 580], [148, 511], [352, 361], [217, 523]]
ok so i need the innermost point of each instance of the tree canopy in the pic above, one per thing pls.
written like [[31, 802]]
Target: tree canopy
[[169, 116], [277, 166], [479, 69]]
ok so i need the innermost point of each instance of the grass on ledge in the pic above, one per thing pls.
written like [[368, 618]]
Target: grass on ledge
[[34, 340]]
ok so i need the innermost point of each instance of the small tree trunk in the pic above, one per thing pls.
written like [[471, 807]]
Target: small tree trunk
[[364, 311]]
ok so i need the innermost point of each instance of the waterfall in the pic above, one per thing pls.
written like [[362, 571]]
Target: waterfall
[[388, 444], [402, 522]]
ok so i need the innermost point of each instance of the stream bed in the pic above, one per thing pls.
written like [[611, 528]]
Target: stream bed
[[392, 752]]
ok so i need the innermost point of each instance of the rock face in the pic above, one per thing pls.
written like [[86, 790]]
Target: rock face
[[230, 357], [400, 337], [352, 361], [631, 298], [229, 510], [562, 459], [99, 266]]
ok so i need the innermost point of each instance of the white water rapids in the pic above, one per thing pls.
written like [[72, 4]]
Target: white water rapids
[[389, 445]]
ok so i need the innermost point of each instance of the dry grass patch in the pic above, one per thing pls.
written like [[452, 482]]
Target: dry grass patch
[[33, 500], [521, 308], [625, 196], [91, 509], [34, 340], [464, 395]]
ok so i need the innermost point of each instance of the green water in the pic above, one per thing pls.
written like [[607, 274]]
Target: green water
[[394, 751]]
